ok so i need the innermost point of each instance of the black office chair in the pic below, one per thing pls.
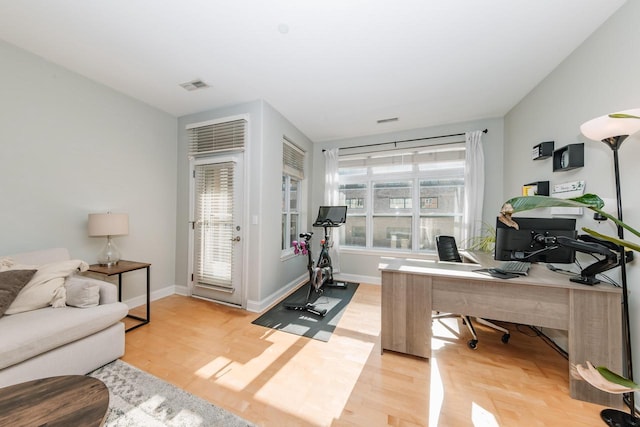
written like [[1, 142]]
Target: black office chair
[[448, 251]]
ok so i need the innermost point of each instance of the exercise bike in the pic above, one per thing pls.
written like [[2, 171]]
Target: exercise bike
[[320, 274]]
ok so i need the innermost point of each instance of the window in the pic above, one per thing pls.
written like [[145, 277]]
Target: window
[[355, 203], [216, 137], [400, 203], [402, 200], [292, 175], [428, 203]]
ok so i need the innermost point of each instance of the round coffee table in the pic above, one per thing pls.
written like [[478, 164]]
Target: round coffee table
[[69, 400]]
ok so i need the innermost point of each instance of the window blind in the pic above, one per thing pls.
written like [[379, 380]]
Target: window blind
[[217, 138], [214, 225], [292, 160]]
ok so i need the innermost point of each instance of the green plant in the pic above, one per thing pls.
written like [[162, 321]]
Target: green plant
[[604, 379], [623, 116], [485, 242]]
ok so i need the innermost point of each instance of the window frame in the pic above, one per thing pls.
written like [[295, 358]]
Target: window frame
[[292, 170], [362, 173], [287, 212]]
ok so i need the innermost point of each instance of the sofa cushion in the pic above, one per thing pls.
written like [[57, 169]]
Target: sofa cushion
[[11, 283], [31, 333], [82, 293], [46, 287]]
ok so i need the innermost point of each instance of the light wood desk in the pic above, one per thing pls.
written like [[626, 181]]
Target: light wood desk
[[413, 289]]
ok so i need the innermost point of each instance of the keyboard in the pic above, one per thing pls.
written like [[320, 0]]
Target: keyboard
[[515, 267]]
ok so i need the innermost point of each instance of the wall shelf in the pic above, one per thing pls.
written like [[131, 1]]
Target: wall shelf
[[568, 157], [538, 188], [544, 150]]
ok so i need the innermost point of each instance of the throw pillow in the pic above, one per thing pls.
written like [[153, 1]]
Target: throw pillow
[[43, 289], [82, 294], [11, 283]]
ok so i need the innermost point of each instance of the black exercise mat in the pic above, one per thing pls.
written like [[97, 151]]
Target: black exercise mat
[[303, 323]]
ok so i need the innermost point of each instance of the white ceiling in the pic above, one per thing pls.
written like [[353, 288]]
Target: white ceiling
[[341, 66]]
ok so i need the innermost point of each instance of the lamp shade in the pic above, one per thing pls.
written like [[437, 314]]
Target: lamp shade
[[605, 127], [108, 224]]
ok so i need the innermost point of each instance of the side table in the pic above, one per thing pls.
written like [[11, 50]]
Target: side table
[[123, 267]]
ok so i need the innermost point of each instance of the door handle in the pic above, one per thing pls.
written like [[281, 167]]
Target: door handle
[[236, 239]]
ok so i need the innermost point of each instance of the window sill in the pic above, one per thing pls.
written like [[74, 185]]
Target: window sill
[[388, 253], [287, 255]]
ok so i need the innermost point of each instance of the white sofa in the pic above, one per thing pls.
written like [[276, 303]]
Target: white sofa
[[60, 341]]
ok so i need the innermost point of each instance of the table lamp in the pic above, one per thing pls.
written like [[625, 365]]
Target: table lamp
[[613, 129], [109, 225]]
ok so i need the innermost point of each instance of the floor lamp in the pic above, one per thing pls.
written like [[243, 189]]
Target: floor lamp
[[613, 129]]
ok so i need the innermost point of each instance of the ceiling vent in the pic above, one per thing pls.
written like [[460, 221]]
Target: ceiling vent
[[194, 85]]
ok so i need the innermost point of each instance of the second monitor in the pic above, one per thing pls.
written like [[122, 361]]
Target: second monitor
[[533, 242]]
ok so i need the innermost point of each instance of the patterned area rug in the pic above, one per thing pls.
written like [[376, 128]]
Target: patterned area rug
[[137, 398]]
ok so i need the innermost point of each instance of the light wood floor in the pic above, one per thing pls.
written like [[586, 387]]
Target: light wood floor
[[277, 379]]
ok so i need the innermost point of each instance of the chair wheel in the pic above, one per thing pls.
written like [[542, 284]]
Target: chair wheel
[[473, 344], [505, 338]]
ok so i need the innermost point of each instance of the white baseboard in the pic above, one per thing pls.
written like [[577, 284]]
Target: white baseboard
[[253, 306], [157, 294], [373, 280], [182, 290], [262, 305]]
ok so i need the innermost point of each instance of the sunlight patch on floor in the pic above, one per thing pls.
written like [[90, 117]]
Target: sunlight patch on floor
[[444, 332], [150, 411], [235, 375], [284, 363], [436, 393], [447, 331], [338, 366], [481, 417]]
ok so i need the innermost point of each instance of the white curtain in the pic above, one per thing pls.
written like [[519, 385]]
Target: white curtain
[[332, 198], [473, 187]]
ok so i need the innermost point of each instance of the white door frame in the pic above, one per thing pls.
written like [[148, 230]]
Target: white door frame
[[242, 189]]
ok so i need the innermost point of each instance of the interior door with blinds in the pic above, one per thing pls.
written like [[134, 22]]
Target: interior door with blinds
[[217, 229]]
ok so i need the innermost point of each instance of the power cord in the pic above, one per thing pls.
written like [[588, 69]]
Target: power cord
[[526, 331], [549, 342], [560, 270], [609, 280]]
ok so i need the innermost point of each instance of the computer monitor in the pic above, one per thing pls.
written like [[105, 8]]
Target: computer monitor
[[533, 241], [331, 216]]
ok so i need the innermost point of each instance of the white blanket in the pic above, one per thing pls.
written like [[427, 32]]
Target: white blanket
[[47, 285]]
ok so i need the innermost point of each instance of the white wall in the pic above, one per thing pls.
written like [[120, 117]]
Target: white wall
[[70, 146], [600, 77], [267, 276], [362, 265], [276, 272]]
